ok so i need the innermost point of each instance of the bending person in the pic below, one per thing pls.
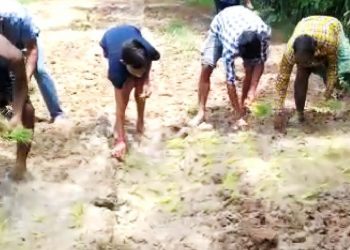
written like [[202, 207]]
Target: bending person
[[234, 32], [315, 46], [130, 59]]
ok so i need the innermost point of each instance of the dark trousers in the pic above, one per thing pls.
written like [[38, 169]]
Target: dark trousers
[[6, 83], [302, 82]]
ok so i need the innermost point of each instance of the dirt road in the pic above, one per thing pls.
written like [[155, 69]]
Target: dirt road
[[216, 188]]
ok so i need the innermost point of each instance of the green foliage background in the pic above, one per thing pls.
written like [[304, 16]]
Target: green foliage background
[[279, 11], [286, 13]]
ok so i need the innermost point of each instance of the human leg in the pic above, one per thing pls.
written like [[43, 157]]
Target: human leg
[[121, 98], [300, 90], [256, 76], [212, 52], [23, 149], [47, 85]]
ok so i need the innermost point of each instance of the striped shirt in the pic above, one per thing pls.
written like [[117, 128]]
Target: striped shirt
[[228, 26], [326, 31]]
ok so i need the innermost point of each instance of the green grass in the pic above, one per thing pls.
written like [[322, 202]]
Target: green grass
[[261, 110], [27, 1], [181, 35], [201, 3], [178, 28], [77, 213]]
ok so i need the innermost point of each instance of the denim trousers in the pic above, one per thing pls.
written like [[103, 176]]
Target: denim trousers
[[46, 84]]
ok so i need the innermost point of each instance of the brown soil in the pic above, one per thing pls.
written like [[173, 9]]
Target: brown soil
[[217, 188]]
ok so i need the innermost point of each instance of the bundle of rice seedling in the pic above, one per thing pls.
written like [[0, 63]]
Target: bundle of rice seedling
[[261, 110], [21, 135]]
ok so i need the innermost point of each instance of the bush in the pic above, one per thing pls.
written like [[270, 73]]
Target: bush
[[277, 11]]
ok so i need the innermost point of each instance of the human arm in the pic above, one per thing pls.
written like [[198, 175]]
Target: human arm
[[32, 57], [16, 64], [331, 73], [146, 83], [230, 80], [29, 34], [282, 82], [281, 86]]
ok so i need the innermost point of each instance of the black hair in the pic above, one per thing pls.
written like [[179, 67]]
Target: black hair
[[134, 54], [249, 45], [304, 44]]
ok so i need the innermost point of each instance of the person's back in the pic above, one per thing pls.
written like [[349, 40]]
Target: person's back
[[230, 23], [325, 29], [16, 24], [112, 42]]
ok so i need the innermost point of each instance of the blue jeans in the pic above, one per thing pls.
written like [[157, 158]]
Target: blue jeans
[[46, 84]]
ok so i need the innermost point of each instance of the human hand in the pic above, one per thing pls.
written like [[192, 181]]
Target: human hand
[[327, 94], [16, 121], [146, 92]]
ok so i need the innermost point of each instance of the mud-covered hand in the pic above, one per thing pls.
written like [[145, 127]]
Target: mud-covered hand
[[328, 94], [16, 121], [146, 92]]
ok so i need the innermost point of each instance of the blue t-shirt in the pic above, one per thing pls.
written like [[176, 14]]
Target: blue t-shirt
[[16, 24], [112, 43]]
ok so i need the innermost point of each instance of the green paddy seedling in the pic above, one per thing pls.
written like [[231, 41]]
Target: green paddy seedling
[[21, 135], [77, 213], [334, 105], [261, 110]]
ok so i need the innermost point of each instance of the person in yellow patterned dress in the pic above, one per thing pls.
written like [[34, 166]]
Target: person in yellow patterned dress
[[314, 48]]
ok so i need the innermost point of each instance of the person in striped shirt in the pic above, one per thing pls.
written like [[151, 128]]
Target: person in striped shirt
[[314, 48], [234, 32]]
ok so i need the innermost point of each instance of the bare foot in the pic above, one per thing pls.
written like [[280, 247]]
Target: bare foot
[[119, 150], [198, 119], [17, 174], [240, 124], [301, 117], [280, 122]]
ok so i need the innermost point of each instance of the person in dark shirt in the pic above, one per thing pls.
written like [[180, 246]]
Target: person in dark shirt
[[222, 4], [130, 59]]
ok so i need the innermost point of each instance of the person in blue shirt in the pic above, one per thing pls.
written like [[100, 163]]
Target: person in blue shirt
[[14, 91], [17, 26], [222, 4], [130, 59]]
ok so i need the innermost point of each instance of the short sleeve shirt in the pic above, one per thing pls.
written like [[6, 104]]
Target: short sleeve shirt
[[112, 43], [229, 25], [16, 24]]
